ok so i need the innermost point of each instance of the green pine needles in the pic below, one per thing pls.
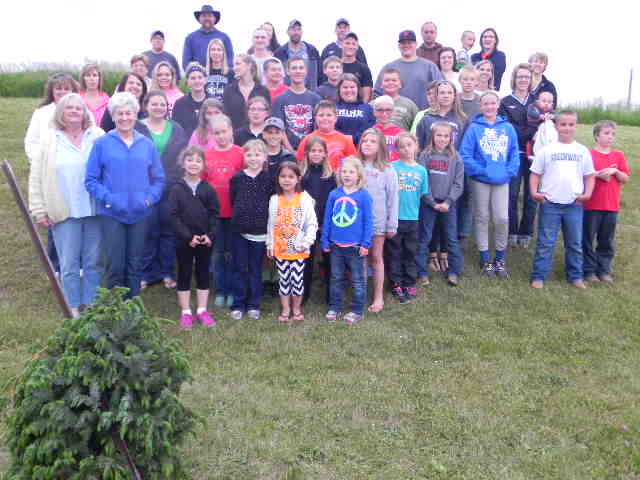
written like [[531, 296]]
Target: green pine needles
[[102, 401]]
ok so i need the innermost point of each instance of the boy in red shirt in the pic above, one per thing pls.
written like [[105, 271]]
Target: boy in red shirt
[[222, 163], [601, 211], [338, 144]]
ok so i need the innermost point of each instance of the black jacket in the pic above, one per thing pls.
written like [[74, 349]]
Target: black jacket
[[546, 85], [318, 187], [273, 161], [193, 214], [515, 113], [250, 202], [236, 107], [177, 141], [185, 112]]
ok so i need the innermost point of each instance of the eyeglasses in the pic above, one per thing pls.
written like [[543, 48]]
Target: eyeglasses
[[384, 110], [257, 109], [523, 77]]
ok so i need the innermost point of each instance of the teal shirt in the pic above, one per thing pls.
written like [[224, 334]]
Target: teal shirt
[[412, 183]]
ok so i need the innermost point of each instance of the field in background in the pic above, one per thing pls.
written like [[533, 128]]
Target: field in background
[[490, 380]]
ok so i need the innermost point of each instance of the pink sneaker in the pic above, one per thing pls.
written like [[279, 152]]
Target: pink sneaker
[[186, 321], [206, 319]]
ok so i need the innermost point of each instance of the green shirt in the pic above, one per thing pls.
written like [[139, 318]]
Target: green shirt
[[160, 140]]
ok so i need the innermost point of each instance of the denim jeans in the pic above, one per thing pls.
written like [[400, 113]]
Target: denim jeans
[[78, 242], [465, 210], [52, 251], [325, 263], [427, 220], [552, 218], [600, 226], [247, 273], [221, 258], [529, 205], [124, 246], [343, 259], [160, 250]]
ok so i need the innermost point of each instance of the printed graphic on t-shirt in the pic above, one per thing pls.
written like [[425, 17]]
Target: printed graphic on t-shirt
[[215, 86], [565, 157], [494, 143], [350, 113], [409, 181], [345, 212], [437, 166], [288, 226], [299, 118]]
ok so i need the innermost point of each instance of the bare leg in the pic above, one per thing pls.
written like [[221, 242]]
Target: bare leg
[[184, 299], [297, 302], [377, 264], [202, 297], [286, 305]]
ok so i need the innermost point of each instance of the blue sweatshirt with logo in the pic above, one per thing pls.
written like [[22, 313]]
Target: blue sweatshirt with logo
[[490, 151], [354, 119], [348, 218], [124, 180]]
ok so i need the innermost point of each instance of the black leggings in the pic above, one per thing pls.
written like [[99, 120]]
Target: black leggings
[[185, 256]]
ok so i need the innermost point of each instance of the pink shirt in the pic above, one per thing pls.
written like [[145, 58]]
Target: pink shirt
[[98, 112], [390, 134], [210, 145], [172, 95]]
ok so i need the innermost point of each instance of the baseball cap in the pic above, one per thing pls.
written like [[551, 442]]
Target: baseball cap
[[274, 122], [351, 35], [407, 35], [294, 23], [342, 20], [157, 33]]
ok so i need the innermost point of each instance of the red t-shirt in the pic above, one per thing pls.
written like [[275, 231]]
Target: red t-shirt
[[390, 133], [277, 91], [339, 146], [606, 195], [221, 166]]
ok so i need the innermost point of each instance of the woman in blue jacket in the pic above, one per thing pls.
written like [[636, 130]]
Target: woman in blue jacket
[[489, 51], [491, 158], [125, 177]]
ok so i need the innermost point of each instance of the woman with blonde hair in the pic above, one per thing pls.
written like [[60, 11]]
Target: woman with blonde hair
[[91, 84], [485, 76], [219, 75], [164, 78], [58, 198], [246, 85]]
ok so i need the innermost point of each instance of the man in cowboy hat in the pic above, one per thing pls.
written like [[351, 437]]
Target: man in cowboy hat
[[196, 43]]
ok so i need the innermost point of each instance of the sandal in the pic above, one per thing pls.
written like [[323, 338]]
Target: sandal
[[434, 265], [298, 317], [283, 318], [169, 283], [373, 308]]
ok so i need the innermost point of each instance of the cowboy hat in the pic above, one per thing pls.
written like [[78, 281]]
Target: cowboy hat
[[207, 9]]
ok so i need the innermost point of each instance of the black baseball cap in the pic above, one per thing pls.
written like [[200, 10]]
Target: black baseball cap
[[407, 35], [351, 35], [342, 20], [293, 23], [158, 33]]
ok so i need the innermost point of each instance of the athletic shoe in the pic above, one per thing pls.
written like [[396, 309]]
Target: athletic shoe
[[229, 301], [206, 319], [500, 269], [352, 318], [219, 301], [513, 241], [236, 314], [452, 279], [606, 278], [186, 321], [424, 281], [410, 293], [331, 316], [488, 270], [253, 314], [398, 293], [523, 241]]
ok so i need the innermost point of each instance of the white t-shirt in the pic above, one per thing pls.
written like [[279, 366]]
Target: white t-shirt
[[561, 167]]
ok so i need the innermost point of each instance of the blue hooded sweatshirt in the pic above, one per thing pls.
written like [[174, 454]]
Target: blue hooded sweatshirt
[[490, 151], [354, 118], [125, 181]]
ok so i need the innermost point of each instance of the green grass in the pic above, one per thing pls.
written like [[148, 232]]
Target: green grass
[[590, 113], [491, 380]]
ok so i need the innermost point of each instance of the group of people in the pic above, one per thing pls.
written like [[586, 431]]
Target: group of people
[[287, 154]]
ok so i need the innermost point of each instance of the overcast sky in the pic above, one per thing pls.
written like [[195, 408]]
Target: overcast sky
[[589, 43]]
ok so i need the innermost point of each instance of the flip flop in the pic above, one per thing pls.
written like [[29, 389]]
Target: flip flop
[[169, 283], [375, 309], [298, 317], [283, 319]]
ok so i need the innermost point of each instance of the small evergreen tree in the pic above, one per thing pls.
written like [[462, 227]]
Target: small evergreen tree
[[102, 401]]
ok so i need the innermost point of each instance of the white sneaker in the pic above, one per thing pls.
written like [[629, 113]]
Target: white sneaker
[[253, 314], [236, 314]]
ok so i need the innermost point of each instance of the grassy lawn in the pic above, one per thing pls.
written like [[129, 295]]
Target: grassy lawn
[[491, 380]]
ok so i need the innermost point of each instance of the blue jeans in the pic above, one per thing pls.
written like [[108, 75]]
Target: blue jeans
[[221, 258], [553, 217], [78, 244], [427, 220], [52, 251], [247, 273], [529, 205], [343, 259], [160, 250], [124, 246], [465, 210]]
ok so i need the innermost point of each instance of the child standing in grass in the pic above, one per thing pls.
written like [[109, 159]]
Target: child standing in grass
[[346, 233], [446, 183], [402, 248], [291, 232], [194, 209], [223, 162], [251, 189], [318, 180], [601, 210], [562, 180], [382, 185]]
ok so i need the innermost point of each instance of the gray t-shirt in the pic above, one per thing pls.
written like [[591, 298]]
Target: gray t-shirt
[[155, 58], [415, 76], [296, 111], [404, 111]]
